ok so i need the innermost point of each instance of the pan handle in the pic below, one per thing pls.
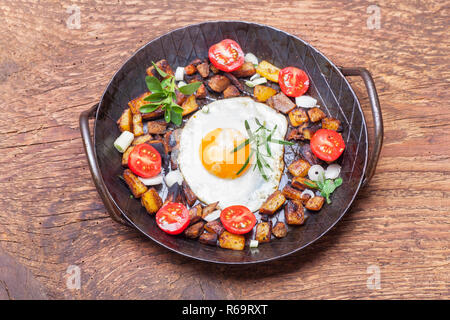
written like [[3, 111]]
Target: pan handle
[[93, 166], [377, 118]]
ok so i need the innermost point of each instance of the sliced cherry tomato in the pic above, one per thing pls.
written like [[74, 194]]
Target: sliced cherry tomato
[[226, 55], [173, 218], [293, 81], [327, 145], [237, 219], [144, 161]]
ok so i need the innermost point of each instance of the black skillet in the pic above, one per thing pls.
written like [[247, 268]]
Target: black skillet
[[328, 85]]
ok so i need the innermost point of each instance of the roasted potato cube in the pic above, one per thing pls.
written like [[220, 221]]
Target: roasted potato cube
[[188, 194], [203, 69], [194, 231], [151, 201], [141, 139], [231, 91], [268, 71], [294, 194], [263, 231], [246, 70], [196, 62], [136, 104], [298, 117], [190, 69], [138, 126], [294, 135], [273, 203], [190, 105], [136, 186], [331, 123], [315, 204], [125, 121], [315, 114], [163, 65], [307, 133], [302, 183], [208, 238], [294, 213], [231, 241], [218, 83], [181, 98], [209, 209], [157, 126], [214, 69], [279, 230], [195, 214], [281, 102], [125, 156], [263, 93], [215, 227], [299, 168]]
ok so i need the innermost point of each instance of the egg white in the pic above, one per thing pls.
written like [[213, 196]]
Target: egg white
[[250, 189]]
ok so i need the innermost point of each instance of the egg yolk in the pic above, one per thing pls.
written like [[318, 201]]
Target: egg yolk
[[216, 153]]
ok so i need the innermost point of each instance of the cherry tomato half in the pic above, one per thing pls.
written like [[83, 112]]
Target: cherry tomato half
[[144, 161], [173, 218], [293, 81], [237, 219], [226, 55], [327, 145]]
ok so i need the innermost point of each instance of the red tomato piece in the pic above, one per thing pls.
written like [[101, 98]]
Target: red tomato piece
[[238, 219], [144, 161], [327, 145], [226, 55], [173, 218], [293, 81]]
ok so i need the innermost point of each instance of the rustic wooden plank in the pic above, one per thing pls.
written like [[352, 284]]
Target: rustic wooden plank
[[52, 216]]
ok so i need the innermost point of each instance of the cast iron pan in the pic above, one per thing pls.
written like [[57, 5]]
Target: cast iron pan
[[179, 47]]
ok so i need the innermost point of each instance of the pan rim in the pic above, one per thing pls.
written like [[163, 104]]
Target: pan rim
[[336, 69]]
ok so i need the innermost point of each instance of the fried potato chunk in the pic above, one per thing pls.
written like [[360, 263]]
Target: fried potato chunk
[[281, 103], [231, 241], [138, 126], [246, 70], [125, 121], [215, 227], [273, 203], [195, 230], [299, 168], [331, 124], [263, 93], [279, 230], [218, 83], [263, 231], [231, 91], [298, 117], [190, 105], [208, 238], [294, 194], [315, 204], [315, 114], [268, 71], [294, 213], [299, 183], [151, 201], [195, 214], [136, 186], [163, 65]]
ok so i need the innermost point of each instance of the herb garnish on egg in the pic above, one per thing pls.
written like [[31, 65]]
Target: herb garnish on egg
[[262, 137]]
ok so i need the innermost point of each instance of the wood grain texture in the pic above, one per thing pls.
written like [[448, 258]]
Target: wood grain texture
[[52, 216]]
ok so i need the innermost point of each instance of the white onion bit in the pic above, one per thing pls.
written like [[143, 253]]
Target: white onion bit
[[152, 181], [173, 177], [316, 173], [305, 101], [212, 216], [179, 74], [333, 171], [309, 192], [250, 57], [253, 244]]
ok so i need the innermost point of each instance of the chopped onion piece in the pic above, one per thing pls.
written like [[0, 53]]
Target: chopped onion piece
[[259, 81], [333, 171], [253, 244], [123, 141], [181, 84], [250, 84], [173, 177], [250, 57], [255, 76], [305, 101], [205, 109], [310, 192], [152, 181], [179, 74], [316, 173], [212, 216]]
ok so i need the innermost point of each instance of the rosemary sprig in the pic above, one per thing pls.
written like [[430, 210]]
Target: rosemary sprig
[[260, 138], [163, 94]]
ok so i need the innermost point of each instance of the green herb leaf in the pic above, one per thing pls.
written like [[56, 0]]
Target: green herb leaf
[[149, 108], [190, 88], [155, 97], [288, 143], [338, 182], [176, 117], [167, 114], [153, 84], [161, 73], [239, 147], [245, 163]]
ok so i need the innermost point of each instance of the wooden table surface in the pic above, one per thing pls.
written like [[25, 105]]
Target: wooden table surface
[[52, 217]]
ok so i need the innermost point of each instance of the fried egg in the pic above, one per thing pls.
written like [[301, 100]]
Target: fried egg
[[211, 168]]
